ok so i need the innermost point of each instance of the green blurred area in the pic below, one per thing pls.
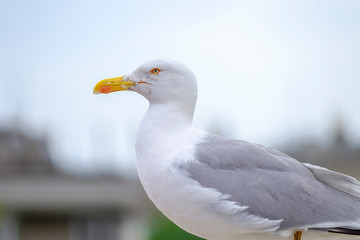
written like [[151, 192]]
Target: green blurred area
[[164, 229]]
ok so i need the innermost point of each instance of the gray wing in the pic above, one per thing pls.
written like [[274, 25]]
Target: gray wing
[[274, 185]]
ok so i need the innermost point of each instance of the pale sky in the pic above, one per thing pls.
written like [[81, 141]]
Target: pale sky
[[268, 71]]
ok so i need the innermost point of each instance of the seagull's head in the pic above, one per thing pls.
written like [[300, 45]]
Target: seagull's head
[[159, 81]]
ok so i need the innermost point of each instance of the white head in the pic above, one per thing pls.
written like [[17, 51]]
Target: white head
[[159, 81], [162, 81]]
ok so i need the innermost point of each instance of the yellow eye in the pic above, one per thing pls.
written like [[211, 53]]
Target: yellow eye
[[155, 71]]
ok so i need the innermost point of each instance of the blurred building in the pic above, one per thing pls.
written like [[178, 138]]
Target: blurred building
[[39, 202]]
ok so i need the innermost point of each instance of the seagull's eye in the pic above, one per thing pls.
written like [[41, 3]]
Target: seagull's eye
[[155, 71]]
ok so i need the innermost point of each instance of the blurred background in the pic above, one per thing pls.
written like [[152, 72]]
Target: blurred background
[[285, 74]]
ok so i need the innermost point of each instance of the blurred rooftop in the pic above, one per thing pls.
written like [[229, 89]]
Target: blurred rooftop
[[39, 201]]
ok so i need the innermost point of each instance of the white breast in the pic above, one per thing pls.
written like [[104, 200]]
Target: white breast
[[166, 139], [181, 199]]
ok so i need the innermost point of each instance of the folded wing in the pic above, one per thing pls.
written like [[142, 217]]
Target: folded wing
[[276, 186]]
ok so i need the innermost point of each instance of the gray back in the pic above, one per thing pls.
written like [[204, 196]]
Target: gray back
[[272, 184]]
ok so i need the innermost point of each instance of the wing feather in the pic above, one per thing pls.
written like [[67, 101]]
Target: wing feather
[[276, 186]]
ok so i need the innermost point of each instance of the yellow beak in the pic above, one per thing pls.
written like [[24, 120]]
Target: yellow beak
[[112, 85]]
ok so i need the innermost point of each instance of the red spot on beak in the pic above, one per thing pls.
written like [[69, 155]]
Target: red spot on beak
[[105, 89]]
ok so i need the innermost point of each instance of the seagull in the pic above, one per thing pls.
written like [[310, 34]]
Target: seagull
[[220, 188]]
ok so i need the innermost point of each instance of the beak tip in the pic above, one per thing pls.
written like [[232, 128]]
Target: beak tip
[[103, 89]]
